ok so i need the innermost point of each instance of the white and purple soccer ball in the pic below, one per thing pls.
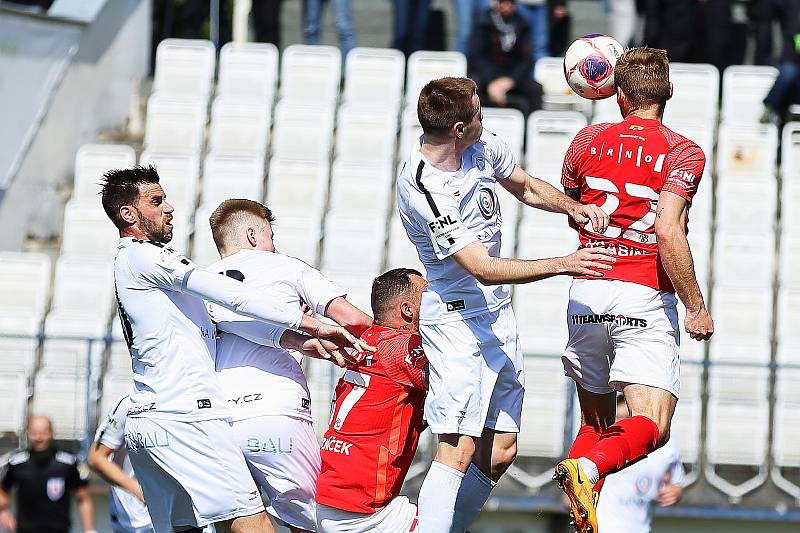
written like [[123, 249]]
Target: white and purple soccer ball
[[589, 65]]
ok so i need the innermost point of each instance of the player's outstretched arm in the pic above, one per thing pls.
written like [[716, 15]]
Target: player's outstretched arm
[[541, 195], [673, 248], [489, 270], [98, 461], [313, 347], [348, 315]]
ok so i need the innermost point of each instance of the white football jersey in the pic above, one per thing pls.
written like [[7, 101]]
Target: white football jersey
[[443, 212], [127, 513], [258, 376], [169, 333], [628, 496]]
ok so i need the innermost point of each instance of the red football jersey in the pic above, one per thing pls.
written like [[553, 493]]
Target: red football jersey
[[376, 423], [623, 167]]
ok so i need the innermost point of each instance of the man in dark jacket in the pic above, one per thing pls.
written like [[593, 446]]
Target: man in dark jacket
[[501, 59]]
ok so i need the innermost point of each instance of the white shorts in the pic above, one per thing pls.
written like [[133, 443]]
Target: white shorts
[[400, 516], [622, 332], [282, 453], [192, 473], [476, 374]]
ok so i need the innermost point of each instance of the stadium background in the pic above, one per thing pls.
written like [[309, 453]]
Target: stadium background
[[89, 96]]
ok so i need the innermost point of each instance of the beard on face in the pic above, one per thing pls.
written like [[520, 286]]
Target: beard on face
[[155, 231]]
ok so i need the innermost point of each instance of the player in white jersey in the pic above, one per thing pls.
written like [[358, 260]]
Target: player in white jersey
[[629, 496], [178, 432], [264, 382], [109, 459], [449, 207]]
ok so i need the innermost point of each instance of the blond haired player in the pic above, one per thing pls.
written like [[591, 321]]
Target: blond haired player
[[623, 329]]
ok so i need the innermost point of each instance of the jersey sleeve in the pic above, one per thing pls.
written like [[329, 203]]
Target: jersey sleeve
[[570, 178], [438, 214], [8, 479], [502, 158], [316, 290], [111, 432], [684, 168], [160, 266], [75, 479], [404, 361], [247, 328]]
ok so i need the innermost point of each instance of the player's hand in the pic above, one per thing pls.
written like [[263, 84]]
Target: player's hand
[[669, 495], [588, 262], [699, 324], [7, 520], [335, 334], [321, 349], [498, 89], [582, 214]]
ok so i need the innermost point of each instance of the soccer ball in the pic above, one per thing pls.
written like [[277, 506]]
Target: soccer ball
[[589, 65]]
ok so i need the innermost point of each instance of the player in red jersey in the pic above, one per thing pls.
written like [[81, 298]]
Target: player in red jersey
[[377, 419], [623, 328]]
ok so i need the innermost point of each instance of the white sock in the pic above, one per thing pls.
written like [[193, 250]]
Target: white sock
[[590, 469], [474, 492], [437, 498]]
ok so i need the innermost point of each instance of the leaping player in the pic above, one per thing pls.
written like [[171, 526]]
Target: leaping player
[[623, 329], [262, 379], [178, 437], [448, 205]]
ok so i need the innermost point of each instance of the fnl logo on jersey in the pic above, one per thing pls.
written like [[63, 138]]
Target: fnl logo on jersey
[[657, 160]]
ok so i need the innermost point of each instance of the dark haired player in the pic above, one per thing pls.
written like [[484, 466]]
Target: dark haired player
[[644, 176], [178, 435]]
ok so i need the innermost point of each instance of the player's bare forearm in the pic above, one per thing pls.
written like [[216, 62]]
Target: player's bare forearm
[[676, 257], [109, 471], [346, 314], [83, 501]]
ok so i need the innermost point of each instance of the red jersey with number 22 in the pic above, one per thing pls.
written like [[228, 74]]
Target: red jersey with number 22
[[622, 168], [376, 423]]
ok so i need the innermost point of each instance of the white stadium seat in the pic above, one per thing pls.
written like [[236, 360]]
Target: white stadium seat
[[302, 131], [744, 151], [74, 343], [297, 188], [737, 395], [747, 207], [366, 133], [298, 237], [63, 398], [401, 252], [743, 90], [742, 260], [789, 260], [788, 334], [742, 325], [174, 125], [353, 245], [185, 67], [545, 408], [695, 94], [311, 74], [248, 70], [541, 310], [790, 199], [87, 231], [549, 135], [549, 72], [508, 125], [232, 177], [238, 126], [688, 413], [410, 131], [204, 251], [790, 147], [83, 288], [786, 432], [92, 161], [360, 189], [179, 175], [374, 76], [424, 66], [14, 399], [606, 110]]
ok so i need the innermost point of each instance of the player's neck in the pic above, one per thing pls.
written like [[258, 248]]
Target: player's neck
[[397, 324], [443, 154], [133, 231], [648, 113]]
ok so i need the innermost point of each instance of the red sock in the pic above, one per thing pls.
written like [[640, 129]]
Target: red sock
[[585, 440], [627, 440]]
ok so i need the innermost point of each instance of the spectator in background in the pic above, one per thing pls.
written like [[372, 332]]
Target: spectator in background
[[410, 24], [267, 21], [342, 16], [622, 20], [465, 11], [535, 13], [630, 495], [786, 89], [44, 477], [501, 61], [560, 27]]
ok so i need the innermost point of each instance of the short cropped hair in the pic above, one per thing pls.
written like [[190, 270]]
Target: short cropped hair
[[643, 75], [121, 187], [231, 214], [386, 288], [444, 102]]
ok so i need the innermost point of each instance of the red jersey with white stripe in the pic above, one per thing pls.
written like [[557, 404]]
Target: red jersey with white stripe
[[376, 423], [622, 168]]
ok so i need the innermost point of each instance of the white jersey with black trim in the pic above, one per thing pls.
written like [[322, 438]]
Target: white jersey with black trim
[[443, 212], [127, 512], [170, 334], [258, 377]]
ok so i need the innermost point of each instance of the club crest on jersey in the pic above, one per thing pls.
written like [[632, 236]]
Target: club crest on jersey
[[479, 162], [55, 488], [486, 203]]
